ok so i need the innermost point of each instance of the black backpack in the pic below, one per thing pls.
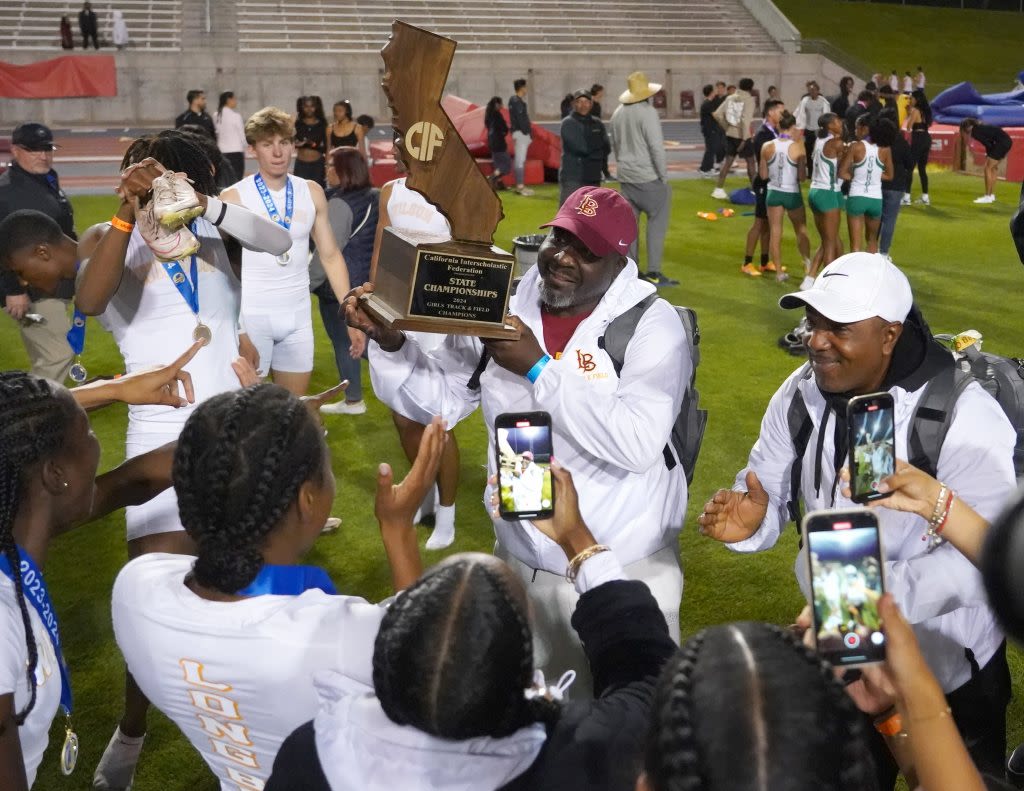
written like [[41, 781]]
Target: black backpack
[[1000, 377], [688, 430]]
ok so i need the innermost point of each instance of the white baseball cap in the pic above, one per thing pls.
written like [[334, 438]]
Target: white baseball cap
[[855, 287]]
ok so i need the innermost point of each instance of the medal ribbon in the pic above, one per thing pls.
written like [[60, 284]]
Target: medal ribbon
[[189, 291], [268, 202], [288, 581], [76, 335], [38, 596]]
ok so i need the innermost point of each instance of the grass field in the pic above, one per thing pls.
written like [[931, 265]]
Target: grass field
[[961, 263], [952, 45]]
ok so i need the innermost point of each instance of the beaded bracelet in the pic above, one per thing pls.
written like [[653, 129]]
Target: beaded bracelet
[[945, 513], [121, 225], [574, 565], [941, 503]]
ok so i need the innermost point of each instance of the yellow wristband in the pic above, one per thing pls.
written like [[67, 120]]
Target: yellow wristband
[[121, 225]]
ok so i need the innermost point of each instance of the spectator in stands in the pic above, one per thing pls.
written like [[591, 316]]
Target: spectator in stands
[[812, 106], [519, 120], [585, 148], [89, 26], [231, 133], [196, 114], [352, 206], [67, 40], [840, 103], [735, 115], [642, 171], [31, 183], [635, 498], [714, 137], [597, 94], [119, 34], [997, 145], [919, 120], [746, 706], [311, 139], [497, 134], [866, 335]]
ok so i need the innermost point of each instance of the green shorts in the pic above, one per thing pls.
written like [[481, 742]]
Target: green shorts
[[822, 200], [789, 200], [860, 205]]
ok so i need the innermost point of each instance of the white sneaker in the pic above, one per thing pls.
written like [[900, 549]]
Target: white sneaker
[[330, 526], [986, 199], [526, 192], [720, 194], [166, 245], [923, 200], [174, 201], [806, 283], [344, 408], [905, 200]]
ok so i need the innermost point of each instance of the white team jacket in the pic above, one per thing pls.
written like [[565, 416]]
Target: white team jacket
[[940, 591], [608, 432]]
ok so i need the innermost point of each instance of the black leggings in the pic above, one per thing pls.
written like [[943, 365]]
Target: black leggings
[[920, 148], [314, 171]]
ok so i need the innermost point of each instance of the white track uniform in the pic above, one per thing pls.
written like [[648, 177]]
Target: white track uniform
[[783, 175], [35, 733], [867, 174], [275, 298], [152, 324], [236, 677], [823, 176], [410, 211]]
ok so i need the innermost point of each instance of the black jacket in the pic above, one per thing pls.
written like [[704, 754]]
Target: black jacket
[[585, 149], [519, 117], [596, 745], [203, 120], [903, 165], [20, 189]]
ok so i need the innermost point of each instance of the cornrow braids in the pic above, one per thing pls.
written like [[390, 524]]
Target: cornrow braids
[[454, 656], [33, 425], [240, 461], [747, 706]]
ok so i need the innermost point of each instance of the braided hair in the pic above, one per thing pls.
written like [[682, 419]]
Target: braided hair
[[240, 461], [34, 422], [177, 151], [747, 706], [454, 655]]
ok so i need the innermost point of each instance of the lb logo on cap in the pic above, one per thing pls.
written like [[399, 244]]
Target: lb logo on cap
[[588, 207]]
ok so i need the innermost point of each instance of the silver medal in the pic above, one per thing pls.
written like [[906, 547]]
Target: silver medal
[[78, 373], [69, 752], [202, 333]]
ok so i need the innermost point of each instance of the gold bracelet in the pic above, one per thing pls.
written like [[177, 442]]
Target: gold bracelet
[[119, 224], [586, 554]]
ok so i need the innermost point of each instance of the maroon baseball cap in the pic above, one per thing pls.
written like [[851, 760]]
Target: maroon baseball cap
[[600, 217]]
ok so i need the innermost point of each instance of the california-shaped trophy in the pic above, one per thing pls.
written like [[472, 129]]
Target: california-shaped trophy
[[423, 282]]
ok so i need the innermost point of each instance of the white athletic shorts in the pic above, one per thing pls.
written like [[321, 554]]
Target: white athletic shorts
[[159, 515], [284, 340]]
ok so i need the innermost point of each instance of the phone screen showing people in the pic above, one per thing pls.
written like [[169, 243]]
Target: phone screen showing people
[[845, 555], [523, 445], [872, 445]]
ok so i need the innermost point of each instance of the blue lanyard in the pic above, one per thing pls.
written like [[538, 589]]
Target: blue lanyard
[[76, 335], [268, 202], [38, 596], [189, 291], [288, 581]]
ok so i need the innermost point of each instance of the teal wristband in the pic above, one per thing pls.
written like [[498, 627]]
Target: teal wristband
[[534, 372]]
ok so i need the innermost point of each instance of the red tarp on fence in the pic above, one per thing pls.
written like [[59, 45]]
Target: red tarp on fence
[[60, 78]]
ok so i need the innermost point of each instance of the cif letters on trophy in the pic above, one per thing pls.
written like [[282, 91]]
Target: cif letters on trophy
[[424, 282]]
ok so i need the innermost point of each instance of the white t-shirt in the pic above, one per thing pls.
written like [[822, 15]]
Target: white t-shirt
[[267, 285], [35, 732], [235, 677], [152, 325], [230, 131]]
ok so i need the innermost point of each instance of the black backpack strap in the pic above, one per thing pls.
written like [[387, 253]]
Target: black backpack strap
[[931, 419], [474, 380], [800, 428]]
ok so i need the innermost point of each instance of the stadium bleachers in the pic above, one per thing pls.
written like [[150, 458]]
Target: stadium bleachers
[[691, 27], [35, 24]]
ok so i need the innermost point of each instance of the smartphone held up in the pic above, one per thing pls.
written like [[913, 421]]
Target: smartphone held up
[[872, 442], [523, 447], [844, 551]]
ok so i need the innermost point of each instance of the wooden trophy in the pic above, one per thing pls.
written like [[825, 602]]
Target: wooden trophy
[[423, 282]]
